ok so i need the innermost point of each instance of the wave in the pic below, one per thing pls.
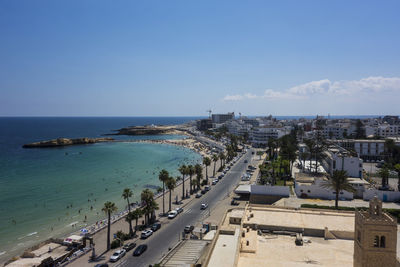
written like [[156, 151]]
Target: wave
[[72, 223], [2, 252], [28, 235]]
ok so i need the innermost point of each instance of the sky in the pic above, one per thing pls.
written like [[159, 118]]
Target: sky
[[182, 58]]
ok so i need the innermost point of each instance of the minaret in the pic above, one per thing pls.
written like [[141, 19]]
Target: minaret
[[375, 237]]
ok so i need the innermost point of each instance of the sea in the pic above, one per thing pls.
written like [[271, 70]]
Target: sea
[[51, 192]]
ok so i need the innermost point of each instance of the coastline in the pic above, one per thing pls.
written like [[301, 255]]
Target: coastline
[[189, 143]]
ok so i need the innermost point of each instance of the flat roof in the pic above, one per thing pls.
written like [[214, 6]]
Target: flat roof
[[224, 252], [303, 218], [243, 189], [281, 251]]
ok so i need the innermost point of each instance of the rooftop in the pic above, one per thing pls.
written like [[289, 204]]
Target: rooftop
[[280, 250]]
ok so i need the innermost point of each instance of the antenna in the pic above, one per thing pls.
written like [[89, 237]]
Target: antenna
[[209, 113]]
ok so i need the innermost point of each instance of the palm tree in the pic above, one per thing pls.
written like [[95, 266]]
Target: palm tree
[[207, 162], [136, 214], [163, 177], [191, 170], [384, 174], [129, 218], [170, 183], [126, 194], [108, 208], [147, 198], [397, 168], [183, 171], [215, 159], [199, 174], [222, 158], [339, 182]]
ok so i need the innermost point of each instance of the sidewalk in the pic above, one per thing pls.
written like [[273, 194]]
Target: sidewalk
[[100, 238]]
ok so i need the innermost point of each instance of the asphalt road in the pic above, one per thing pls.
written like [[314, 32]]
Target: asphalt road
[[170, 232]]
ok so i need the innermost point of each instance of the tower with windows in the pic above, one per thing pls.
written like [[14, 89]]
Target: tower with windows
[[375, 237]]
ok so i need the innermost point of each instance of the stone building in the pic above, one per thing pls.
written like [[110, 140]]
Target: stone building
[[375, 237]]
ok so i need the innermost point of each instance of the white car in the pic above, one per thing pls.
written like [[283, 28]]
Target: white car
[[117, 255], [146, 233], [203, 206], [172, 214]]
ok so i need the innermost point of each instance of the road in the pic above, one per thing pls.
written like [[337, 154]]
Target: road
[[170, 232]]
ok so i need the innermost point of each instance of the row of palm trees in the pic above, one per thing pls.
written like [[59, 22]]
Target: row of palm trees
[[149, 205]]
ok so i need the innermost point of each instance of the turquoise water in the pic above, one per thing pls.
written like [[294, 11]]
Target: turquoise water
[[44, 191]]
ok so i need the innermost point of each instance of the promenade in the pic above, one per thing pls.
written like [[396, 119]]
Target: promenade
[[100, 238]]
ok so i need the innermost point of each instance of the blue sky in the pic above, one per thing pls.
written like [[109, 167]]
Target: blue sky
[[131, 58]]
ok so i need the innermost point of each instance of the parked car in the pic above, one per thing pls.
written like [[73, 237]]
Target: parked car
[[207, 188], [155, 227], [188, 229], [179, 210], [234, 202], [203, 191], [203, 206], [129, 246], [221, 176], [101, 265], [172, 214], [245, 161], [198, 195], [117, 255], [214, 182], [139, 250], [146, 233]]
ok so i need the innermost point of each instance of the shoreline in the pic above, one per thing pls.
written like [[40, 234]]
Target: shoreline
[[96, 227]]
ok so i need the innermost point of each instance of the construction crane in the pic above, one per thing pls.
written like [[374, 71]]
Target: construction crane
[[209, 113]]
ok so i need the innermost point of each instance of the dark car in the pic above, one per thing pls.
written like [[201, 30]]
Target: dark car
[[156, 226], [203, 191], [129, 246], [101, 265], [139, 250], [234, 202], [188, 229]]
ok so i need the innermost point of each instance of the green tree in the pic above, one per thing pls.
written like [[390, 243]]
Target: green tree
[[108, 208], [199, 174], [207, 162], [163, 177], [397, 169], [222, 158], [360, 131], [384, 174], [126, 194], [215, 159], [183, 170], [170, 183], [149, 205], [339, 182], [191, 171], [134, 215]]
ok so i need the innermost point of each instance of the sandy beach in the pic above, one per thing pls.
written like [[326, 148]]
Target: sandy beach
[[118, 223]]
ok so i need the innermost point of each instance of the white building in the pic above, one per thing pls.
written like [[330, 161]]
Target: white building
[[260, 136], [338, 130], [337, 158]]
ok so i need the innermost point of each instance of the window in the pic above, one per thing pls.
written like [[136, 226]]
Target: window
[[382, 244], [376, 241]]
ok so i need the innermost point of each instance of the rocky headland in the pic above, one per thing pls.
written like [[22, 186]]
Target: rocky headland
[[67, 142], [147, 130]]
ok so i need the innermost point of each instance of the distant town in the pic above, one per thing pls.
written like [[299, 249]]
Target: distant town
[[267, 192]]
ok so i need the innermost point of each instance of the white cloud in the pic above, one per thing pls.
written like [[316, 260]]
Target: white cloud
[[233, 97], [370, 85]]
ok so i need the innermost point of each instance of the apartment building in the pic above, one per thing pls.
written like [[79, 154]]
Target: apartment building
[[338, 158], [221, 118], [259, 136]]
